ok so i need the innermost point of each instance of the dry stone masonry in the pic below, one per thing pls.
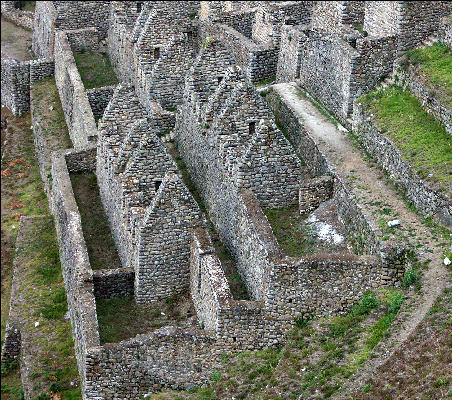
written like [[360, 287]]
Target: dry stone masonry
[[187, 72]]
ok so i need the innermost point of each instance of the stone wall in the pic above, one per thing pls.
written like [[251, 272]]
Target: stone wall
[[325, 284], [241, 21], [381, 18], [327, 16], [83, 39], [16, 77], [426, 198], [77, 111], [77, 273], [271, 17], [15, 85], [166, 358], [445, 31], [43, 29], [357, 224], [419, 20], [431, 98], [332, 70], [41, 69], [11, 345], [110, 283], [99, 98], [313, 192], [81, 160], [16, 15], [67, 15]]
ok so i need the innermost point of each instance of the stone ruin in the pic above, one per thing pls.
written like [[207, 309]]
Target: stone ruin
[[187, 73]]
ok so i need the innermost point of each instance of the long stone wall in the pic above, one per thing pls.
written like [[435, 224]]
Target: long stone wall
[[427, 199], [77, 273], [43, 29], [77, 110]]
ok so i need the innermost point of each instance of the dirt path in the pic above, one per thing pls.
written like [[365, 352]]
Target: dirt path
[[381, 203], [15, 41]]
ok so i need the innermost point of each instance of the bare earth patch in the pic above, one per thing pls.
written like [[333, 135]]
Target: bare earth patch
[[16, 41]]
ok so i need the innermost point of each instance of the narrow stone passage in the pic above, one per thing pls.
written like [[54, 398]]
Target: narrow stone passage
[[380, 202]]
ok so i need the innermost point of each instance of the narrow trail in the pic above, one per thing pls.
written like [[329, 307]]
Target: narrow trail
[[380, 202]]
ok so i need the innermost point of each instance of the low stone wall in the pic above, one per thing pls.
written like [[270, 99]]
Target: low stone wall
[[314, 192], [325, 284], [16, 15], [99, 98], [166, 358], [77, 111], [41, 69], [84, 39], [11, 345], [15, 85], [428, 200], [16, 77], [110, 283], [429, 96], [81, 160]]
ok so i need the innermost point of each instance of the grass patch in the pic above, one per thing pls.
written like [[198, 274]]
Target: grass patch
[[95, 69], [436, 63], [265, 82], [121, 318], [96, 230], [422, 140], [43, 299], [55, 133], [29, 6], [294, 240]]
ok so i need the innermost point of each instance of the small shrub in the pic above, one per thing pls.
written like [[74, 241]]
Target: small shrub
[[216, 375], [42, 396], [367, 303], [366, 388], [55, 387], [303, 321], [410, 278], [396, 302]]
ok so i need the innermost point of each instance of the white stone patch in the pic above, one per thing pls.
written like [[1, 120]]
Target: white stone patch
[[394, 222], [324, 231]]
